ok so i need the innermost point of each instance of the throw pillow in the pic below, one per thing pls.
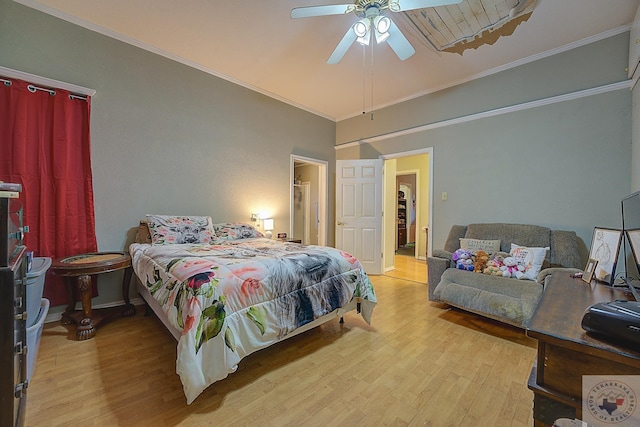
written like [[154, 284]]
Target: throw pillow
[[235, 231], [474, 245], [169, 230], [529, 258]]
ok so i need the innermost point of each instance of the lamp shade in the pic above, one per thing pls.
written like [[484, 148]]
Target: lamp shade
[[268, 226]]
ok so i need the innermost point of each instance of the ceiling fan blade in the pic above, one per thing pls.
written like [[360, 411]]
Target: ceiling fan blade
[[308, 12], [342, 47], [399, 43], [421, 4]]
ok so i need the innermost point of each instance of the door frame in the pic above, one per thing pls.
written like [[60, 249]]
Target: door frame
[[323, 194], [429, 151]]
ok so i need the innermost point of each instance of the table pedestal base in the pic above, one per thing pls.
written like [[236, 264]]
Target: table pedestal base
[[87, 318]]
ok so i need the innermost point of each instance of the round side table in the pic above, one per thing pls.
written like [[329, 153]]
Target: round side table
[[77, 271]]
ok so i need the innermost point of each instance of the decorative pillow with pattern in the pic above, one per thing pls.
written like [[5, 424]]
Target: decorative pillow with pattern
[[475, 245], [236, 231], [170, 230], [529, 258]]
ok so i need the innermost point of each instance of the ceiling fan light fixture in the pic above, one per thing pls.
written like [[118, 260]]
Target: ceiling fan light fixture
[[381, 37], [382, 24], [361, 27], [362, 30]]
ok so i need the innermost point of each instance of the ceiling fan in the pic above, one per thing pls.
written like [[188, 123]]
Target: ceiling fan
[[373, 19]]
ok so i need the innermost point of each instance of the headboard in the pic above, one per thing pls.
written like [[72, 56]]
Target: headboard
[[143, 235]]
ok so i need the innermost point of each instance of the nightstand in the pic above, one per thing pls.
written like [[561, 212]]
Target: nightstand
[[77, 271]]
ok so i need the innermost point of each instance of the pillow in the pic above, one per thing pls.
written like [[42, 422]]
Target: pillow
[[529, 258], [169, 230], [235, 231], [474, 245]]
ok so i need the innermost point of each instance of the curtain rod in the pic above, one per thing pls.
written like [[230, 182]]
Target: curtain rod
[[52, 92], [9, 73], [33, 89]]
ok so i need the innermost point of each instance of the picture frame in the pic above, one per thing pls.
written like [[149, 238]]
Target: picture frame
[[605, 246], [589, 270]]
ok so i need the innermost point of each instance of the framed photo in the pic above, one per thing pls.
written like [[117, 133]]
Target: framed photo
[[604, 248], [589, 270]]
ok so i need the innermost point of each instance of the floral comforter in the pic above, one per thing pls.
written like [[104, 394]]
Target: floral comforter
[[234, 298]]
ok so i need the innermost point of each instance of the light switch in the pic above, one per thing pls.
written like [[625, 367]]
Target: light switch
[[444, 195]]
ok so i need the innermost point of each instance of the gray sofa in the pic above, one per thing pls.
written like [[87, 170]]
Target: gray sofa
[[508, 300]]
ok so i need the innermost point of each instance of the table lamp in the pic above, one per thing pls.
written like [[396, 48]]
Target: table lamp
[[268, 227]]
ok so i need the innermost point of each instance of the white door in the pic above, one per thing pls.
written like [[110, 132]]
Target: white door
[[359, 211]]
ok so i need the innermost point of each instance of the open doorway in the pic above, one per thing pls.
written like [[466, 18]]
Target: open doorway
[[408, 200], [418, 201], [308, 212]]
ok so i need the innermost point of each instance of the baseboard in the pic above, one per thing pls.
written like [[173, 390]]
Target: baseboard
[[55, 317]]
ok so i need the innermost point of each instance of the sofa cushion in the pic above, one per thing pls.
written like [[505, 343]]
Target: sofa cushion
[[453, 238], [511, 301], [564, 250], [520, 234]]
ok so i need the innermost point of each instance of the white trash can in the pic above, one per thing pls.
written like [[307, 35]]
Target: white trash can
[[33, 337], [35, 287]]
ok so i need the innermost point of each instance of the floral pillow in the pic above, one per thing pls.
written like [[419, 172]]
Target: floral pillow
[[529, 258], [169, 230], [235, 231]]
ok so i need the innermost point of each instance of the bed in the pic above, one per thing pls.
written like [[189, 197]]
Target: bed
[[224, 291]]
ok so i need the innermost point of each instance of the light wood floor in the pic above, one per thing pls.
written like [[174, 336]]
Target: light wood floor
[[417, 364], [408, 268]]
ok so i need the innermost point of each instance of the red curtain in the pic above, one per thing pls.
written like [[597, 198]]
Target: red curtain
[[44, 138]]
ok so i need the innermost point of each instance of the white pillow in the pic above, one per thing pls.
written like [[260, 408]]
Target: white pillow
[[529, 258]]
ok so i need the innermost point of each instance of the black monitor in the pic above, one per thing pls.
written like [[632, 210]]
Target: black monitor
[[631, 241]]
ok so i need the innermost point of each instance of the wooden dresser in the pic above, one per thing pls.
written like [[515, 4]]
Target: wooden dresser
[[566, 352], [13, 301]]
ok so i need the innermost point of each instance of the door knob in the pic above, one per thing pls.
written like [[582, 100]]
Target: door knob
[[340, 223]]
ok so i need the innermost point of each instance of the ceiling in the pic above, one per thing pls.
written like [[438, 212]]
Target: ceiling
[[256, 44]]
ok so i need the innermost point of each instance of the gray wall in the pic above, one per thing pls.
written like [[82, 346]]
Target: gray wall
[[565, 165], [167, 138]]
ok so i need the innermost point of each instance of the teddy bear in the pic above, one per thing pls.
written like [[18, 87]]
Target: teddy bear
[[511, 268], [492, 269], [494, 264], [463, 259], [481, 258], [499, 258]]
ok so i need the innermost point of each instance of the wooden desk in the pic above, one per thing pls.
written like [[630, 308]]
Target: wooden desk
[[77, 271], [566, 352]]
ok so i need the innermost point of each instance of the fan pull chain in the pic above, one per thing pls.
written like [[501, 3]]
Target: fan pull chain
[[364, 73], [371, 81]]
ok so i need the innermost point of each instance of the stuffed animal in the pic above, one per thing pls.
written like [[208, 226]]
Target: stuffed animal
[[481, 258], [492, 268], [494, 265], [499, 258], [511, 268], [463, 259]]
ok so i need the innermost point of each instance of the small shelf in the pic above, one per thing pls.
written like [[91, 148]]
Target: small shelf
[[402, 221]]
